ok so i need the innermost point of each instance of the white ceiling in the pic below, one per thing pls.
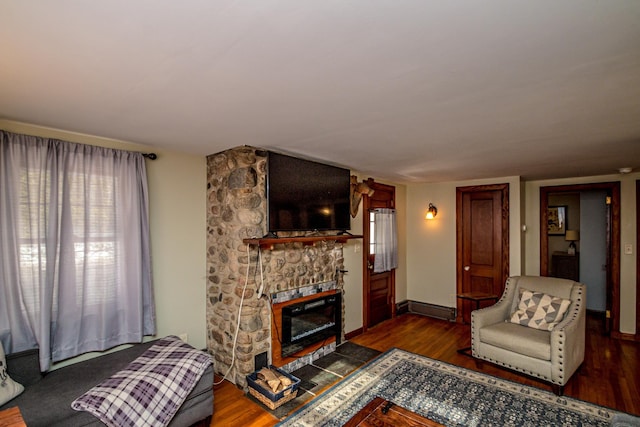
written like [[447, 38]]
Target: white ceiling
[[408, 90]]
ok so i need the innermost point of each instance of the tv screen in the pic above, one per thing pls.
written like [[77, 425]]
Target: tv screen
[[305, 195]]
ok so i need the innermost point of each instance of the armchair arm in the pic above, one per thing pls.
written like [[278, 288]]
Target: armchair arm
[[497, 313], [568, 339]]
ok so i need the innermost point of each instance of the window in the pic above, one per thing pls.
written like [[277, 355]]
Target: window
[[383, 238], [77, 260]]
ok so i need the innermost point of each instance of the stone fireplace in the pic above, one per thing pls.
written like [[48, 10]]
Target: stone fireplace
[[237, 210]]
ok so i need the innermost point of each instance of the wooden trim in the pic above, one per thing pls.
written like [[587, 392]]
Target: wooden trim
[[353, 334], [366, 272], [276, 331], [637, 336], [392, 297], [270, 242], [625, 337], [613, 240]]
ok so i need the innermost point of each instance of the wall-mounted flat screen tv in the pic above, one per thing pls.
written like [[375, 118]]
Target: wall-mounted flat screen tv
[[305, 195]]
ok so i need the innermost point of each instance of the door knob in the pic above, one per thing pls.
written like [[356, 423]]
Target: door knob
[[467, 268]]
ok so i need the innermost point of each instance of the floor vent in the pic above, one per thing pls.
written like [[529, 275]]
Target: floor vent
[[402, 307]]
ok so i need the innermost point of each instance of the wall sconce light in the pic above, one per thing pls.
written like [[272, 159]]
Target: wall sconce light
[[572, 236], [432, 212]]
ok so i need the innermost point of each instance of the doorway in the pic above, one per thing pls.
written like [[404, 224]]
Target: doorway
[[637, 260], [610, 206], [379, 289], [482, 242]]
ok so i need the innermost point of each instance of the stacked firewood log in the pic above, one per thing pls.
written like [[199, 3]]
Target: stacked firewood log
[[271, 379]]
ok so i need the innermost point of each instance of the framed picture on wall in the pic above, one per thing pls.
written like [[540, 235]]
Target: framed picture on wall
[[557, 220]]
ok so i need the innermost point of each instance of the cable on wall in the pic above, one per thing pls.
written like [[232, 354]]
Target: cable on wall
[[261, 274], [235, 338]]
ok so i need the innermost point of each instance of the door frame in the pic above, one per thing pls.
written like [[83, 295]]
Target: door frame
[[637, 335], [366, 239], [460, 191], [613, 243]]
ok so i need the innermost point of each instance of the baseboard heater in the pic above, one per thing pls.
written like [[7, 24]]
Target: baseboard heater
[[426, 309]]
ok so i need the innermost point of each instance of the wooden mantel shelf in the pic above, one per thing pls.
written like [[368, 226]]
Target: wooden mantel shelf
[[269, 242]]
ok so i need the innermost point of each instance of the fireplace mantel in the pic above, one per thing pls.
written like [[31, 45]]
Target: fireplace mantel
[[270, 242]]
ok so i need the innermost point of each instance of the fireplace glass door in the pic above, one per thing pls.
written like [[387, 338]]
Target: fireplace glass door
[[310, 322]]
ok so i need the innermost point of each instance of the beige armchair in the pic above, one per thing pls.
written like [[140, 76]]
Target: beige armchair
[[551, 355]]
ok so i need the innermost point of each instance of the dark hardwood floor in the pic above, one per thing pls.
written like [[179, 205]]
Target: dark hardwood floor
[[609, 376]]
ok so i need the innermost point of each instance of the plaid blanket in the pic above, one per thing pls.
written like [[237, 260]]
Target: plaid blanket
[[151, 389]]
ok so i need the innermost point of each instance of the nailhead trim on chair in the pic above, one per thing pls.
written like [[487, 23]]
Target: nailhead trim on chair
[[578, 303], [524, 371], [561, 374]]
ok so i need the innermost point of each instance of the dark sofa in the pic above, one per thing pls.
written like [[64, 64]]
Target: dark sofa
[[46, 400]]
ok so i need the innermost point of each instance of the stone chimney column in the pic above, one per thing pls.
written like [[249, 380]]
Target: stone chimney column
[[237, 210]]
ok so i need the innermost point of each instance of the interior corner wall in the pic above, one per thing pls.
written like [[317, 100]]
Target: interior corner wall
[[628, 235], [177, 198], [431, 244]]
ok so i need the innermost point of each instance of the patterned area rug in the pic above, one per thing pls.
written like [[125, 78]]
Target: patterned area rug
[[449, 395]]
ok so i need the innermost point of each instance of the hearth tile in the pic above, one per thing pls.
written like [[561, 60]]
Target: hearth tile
[[314, 379], [356, 351], [338, 363]]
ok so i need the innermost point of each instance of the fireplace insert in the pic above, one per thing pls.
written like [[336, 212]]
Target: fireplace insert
[[309, 322]]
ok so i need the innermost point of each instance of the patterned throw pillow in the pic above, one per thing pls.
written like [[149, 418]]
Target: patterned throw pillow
[[8, 387], [539, 311]]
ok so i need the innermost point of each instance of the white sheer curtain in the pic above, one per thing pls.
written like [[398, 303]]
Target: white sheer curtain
[[386, 240], [75, 265]]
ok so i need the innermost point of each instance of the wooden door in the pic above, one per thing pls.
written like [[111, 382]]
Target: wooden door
[[482, 234], [378, 288]]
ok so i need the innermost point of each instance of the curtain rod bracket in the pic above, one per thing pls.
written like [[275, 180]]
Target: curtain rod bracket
[[150, 156]]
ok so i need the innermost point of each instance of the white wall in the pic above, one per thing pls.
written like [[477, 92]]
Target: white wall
[[177, 196], [352, 298], [627, 235], [431, 244], [177, 185]]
